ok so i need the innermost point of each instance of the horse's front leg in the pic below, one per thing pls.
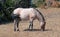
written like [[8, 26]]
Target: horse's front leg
[[31, 24]]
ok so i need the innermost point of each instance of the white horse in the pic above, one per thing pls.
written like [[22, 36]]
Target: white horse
[[28, 14]]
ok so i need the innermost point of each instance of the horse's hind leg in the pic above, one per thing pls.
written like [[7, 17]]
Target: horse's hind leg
[[16, 24]]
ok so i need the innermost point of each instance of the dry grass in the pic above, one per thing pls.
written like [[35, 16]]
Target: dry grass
[[52, 16]]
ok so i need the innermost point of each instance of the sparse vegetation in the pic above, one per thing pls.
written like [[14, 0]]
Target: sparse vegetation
[[7, 6]]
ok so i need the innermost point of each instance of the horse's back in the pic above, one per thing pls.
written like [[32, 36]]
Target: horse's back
[[25, 12], [20, 9]]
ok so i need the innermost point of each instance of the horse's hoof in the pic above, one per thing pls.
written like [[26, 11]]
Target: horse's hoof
[[17, 29], [42, 29], [30, 29], [14, 29]]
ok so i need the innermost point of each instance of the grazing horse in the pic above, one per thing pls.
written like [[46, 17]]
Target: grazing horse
[[28, 14]]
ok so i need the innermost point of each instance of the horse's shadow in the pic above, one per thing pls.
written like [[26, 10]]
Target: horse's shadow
[[37, 30]]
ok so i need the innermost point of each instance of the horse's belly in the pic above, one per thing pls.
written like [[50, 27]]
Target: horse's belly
[[24, 16]]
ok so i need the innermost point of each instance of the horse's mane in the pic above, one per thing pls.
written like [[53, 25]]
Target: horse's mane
[[40, 14]]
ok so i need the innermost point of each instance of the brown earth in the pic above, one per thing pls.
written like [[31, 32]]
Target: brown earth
[[52, 16]]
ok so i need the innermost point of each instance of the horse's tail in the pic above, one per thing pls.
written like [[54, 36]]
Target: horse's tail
[[41, 15]]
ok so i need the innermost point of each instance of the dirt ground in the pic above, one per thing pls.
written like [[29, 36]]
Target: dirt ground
[[52, 16]]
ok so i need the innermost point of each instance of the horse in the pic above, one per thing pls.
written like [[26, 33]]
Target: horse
[[28, 14]]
